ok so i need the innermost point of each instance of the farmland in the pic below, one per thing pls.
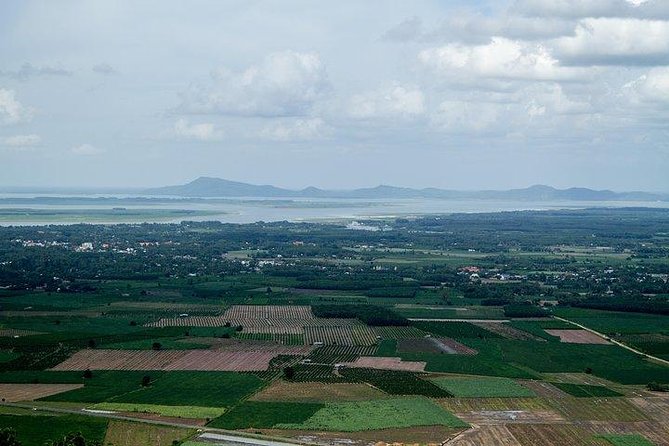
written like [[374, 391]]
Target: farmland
[[313, 330]]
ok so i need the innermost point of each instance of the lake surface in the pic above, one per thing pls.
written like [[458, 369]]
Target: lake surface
[[249, 210]]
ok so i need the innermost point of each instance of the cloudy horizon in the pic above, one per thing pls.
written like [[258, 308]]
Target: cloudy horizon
[[447, 94]]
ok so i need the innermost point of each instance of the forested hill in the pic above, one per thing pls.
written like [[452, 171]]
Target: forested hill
[[217, 187]]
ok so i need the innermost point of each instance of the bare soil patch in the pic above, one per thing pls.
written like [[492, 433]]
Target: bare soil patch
[[27, 392], [206, 360], [386, 363], [316, 392], [497, 435], [577, 336], [507, 331]]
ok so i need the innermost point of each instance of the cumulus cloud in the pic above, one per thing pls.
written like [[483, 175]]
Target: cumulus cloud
[[478, 28], [104, 69], [286, 83], [652, 87], [29, 70], [202, 132], [394, 100], [86, 150], [501, 58], [22, 141], [592, 8], [616, 41], [407, 30], [11, 110], [296, 130]]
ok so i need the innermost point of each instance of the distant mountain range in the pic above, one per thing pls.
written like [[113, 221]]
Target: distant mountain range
[[217, 187]]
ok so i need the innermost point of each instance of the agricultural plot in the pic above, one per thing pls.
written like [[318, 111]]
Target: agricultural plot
[[577, 336], [124, 433], [433, 345], [394, 382], [316, 392], [340, 335], [626, 440], [333, 354], [483, 387], [496, 405], [373, 415], [498, 435], [281, 338], [586, 391], [498, 417], [656, 406], [258, 415], [163, 410], [507, 331], [544, 389], [204, 360], [457, 330], [550, 435], [399, 332], [269, 312], [31, 430], [28, 392], [385, 363], [190, 321], [598, 409], [322, 373]]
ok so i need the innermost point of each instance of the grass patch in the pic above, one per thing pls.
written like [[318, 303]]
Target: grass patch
[[377, 414], [129, 433], [586, 391], [167, 411], [626, 439], [265, 415], [483, 387]]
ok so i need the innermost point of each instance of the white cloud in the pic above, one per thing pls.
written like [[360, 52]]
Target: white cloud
[[86, 150], [11, 110], [616, 41], [296, 130], [652, 87], [393, 100], [592, 8], [202, 132], [29, 70], [22, 141], [105, 69], [500, 59], [408, 29], [285, 83], [457, 116]]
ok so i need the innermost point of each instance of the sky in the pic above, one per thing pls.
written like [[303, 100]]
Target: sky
[[341, 94]]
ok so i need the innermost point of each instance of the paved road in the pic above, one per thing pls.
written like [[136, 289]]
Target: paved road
[[619, 344], [208, 433]]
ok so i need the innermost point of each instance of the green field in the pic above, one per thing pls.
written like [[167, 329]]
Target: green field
[[255, 414], [36, 430], [204, 389], [483, 387], [168, 411], [380, 414], [626, 440]]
